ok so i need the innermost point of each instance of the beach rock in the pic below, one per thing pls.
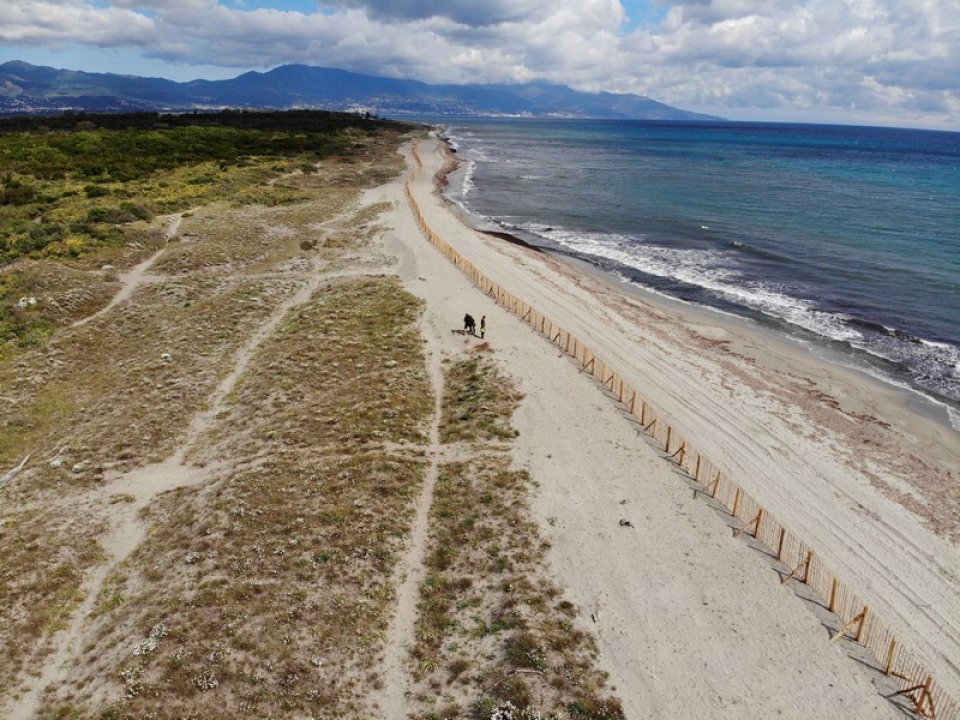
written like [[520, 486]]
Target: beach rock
[[81, 466]]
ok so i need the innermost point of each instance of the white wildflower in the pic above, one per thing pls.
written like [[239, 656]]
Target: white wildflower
[[146, 647], [206, 681]]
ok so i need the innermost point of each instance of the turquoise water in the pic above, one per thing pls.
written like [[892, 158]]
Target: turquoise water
[[848, 237]]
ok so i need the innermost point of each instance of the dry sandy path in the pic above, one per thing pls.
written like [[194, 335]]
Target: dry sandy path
[[131, 280], [411, 569], [691, 624]]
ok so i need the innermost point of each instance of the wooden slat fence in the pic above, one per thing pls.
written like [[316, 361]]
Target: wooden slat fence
[[858, 622]]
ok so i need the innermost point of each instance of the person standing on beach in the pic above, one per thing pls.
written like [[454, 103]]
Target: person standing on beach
[[469, 324], [483, 326]]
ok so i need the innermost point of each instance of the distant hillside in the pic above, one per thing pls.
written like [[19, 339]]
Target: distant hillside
[[28, 89]]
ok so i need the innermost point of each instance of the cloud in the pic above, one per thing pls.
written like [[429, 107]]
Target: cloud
[[864, 57], [884, 57], [465, 12], [57, 23]]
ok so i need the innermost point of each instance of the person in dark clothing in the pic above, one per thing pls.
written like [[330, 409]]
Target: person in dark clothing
[[483, 326], [469, 324]]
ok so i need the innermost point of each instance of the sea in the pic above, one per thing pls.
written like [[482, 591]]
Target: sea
[[846, 239]]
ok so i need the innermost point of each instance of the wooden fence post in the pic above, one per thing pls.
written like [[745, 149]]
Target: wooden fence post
[[890, 653], [761, 515], [861, 628], [833, 593], [696, 474], [666, 447], [924, 696], [736, 502]]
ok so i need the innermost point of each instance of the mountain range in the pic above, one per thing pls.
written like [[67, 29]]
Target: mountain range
[[29, 89]]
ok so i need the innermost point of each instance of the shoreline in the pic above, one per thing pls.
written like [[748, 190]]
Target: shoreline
[[839, 456], [918, 400], [913, 399], [920, 414]]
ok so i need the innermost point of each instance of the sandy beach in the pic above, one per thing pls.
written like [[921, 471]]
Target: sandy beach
[[691, 621]]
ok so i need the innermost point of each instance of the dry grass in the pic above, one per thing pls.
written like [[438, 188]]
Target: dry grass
[[61, 292], [45, 554], [270, 588], [345, 370], [478, 403], [494, 634], [118, 393], [95, 400], [271, 585]]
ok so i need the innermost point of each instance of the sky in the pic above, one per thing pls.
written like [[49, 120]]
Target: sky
[[876, 62]]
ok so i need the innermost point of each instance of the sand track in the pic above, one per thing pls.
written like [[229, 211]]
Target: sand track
[[131, 280], [391, 701]]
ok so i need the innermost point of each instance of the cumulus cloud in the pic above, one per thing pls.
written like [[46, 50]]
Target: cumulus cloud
[[466, 12], [883, 57], [56, 23], [859, 55]]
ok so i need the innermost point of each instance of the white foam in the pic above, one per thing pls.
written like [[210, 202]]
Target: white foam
[[712, 270], [954, 417], [468, 184]]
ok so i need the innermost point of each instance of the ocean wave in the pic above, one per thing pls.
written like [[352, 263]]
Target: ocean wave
[[468, 183], [954, 417], [711, 270]]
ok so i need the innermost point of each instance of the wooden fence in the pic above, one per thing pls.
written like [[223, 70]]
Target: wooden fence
[[857, 621]]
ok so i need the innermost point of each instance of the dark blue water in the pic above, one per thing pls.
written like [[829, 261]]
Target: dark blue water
[[849, 237]]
